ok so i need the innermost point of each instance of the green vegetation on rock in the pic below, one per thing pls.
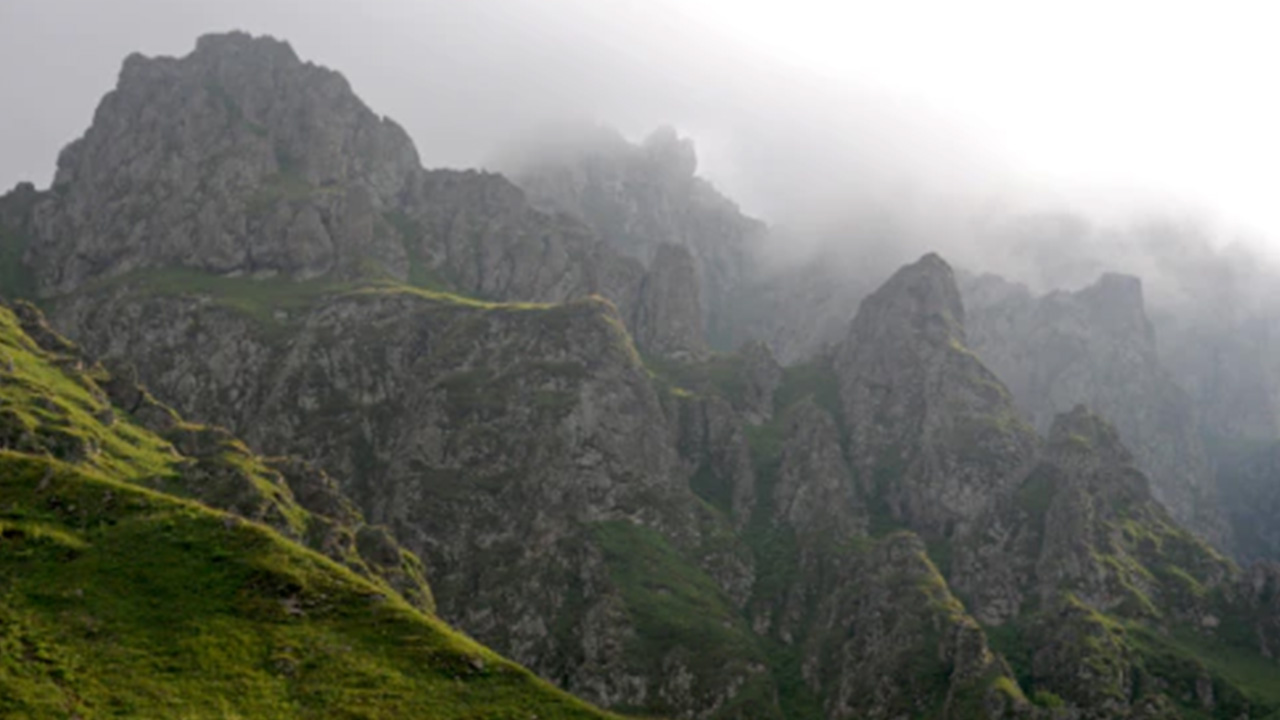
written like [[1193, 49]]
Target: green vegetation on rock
[[119, 600], [123, 601], [679, 612]]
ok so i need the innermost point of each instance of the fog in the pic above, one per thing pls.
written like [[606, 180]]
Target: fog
[[880, 128]]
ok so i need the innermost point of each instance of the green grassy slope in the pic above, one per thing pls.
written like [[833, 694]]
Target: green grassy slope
[[117, 600]]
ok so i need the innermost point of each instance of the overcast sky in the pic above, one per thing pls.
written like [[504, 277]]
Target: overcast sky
[[786, 100]]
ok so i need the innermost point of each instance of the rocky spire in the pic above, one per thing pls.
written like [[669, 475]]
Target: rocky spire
[[932, 432], [238, 157]]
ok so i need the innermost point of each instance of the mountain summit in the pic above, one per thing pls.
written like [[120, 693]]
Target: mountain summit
[[931, 430], [238, 158]]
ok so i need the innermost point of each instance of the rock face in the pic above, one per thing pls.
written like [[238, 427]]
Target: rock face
[[1082, 557], [1249, 484], [760, 377], [296, 499], [1096, 347], [668, 317], [512, 448], [714, 449], [916, 636], [868, 624], [1071, 528], [931, 430], [181, 554], [1224, 355], [815, 493], [236, 158], [815, 508], [476, 233], [641, 197]]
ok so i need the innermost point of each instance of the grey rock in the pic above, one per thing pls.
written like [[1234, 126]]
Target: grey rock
[[668, 317], [931, 430], [640, 197], [236, 158], [1096, 347], [493, 441]]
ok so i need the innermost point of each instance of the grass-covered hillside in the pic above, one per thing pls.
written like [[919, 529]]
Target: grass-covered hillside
[[118, 599]]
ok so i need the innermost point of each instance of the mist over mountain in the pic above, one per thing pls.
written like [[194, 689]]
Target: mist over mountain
[[846, 168], [709, 385]]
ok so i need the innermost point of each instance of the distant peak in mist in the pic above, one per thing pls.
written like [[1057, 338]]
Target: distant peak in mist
[[576, 142]]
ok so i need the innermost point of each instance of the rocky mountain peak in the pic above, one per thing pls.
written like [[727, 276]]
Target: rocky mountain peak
[[933, 432], [1115, 304], [236, 42], [1118, 290], [675, 156], [1081, 431], [920, 300], [311, 119], [1092, 458], [237, 158]]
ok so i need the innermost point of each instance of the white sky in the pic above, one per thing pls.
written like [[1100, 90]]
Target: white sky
[[1172, 97]]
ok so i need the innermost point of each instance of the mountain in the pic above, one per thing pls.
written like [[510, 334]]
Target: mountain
[[640, 197], [1096, 347], [156, 567], [934, 434], [650, 525], [239, 159], [1218, 339], [1248, 474], [507, 444]]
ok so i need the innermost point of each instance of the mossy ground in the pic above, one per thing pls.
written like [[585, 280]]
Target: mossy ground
[[1244, 683], [719, 374], [119, 601], [61, 411], [268, 299], [50, 404]]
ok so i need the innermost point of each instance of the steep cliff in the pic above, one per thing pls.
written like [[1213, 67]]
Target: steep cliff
[[122, 595], [507, 445], [933, 434], [1096, 347]]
